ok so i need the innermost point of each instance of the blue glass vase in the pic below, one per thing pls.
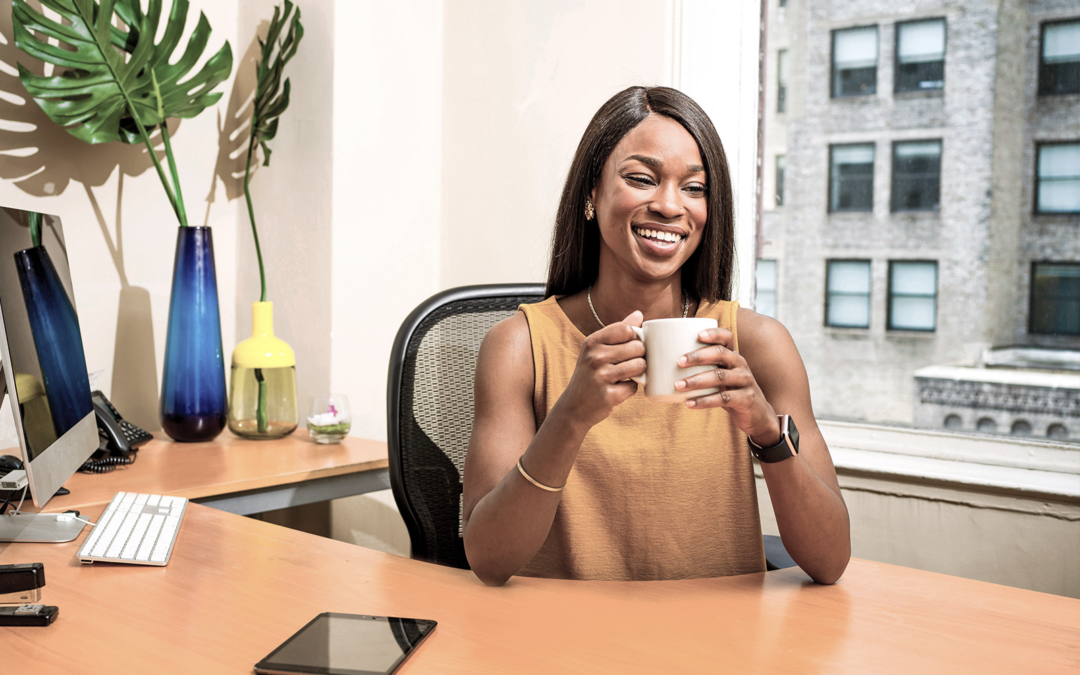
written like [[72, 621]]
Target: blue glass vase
[[193, 403], [54, 326]]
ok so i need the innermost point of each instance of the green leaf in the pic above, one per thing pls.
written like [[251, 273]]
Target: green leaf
[[106, 91], [271, 98]]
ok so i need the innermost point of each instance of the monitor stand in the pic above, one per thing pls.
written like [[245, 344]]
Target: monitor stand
[[38, 527], [35, 527]]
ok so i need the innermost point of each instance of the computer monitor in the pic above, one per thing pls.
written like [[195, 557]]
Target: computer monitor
[[44, 368]]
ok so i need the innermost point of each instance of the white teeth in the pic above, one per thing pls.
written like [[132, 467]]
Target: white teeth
[[657, 234]]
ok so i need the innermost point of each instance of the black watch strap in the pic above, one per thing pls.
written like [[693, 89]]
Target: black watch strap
[[787, 447]]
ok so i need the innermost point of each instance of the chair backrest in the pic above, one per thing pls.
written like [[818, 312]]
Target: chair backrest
[[429, 409]]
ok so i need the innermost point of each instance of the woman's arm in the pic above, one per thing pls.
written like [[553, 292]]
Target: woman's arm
[[506, 519], [766, 377]]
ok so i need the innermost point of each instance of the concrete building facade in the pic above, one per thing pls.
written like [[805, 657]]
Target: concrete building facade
[[918, 278]]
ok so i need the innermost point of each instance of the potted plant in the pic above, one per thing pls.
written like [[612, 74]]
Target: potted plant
[[114, 82], [262, 389]]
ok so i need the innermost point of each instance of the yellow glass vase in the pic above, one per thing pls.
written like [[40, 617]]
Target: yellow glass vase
[[262, 390]]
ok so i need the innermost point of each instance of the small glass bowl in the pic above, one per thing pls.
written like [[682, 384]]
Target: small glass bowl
[[329, 419]]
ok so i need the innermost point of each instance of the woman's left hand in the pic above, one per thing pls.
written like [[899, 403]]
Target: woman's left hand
[[739, 392]]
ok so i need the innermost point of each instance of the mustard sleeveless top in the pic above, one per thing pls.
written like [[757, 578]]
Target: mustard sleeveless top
[[658, 491]]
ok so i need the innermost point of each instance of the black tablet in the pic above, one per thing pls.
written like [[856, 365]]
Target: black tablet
[[347, 644]]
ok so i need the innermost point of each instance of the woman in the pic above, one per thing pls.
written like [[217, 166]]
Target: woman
[[571, 472]]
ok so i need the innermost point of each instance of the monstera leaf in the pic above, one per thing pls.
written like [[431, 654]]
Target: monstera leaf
[[270, 101], [114, 76], [117, 83]]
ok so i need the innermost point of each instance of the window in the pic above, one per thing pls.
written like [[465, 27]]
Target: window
[[781, 80], [1059, 60], [912, 295], [916, 176], [1055, 298], [1058, 170], [848, 301], [851, 177], [783, 3], [765, 280], [781, 164], [920, 55], [855, 54]]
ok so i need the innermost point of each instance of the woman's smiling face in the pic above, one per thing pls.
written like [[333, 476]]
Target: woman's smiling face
[[650, 200]]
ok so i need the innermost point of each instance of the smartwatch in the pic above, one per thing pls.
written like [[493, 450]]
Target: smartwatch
[[787, 447]]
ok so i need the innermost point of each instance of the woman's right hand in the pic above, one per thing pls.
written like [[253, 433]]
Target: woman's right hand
[[601, 380]]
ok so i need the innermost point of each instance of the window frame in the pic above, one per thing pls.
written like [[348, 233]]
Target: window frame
[[1040, 91], [889, 295], [893, 192], [775, 289], [896, 54], [781, 81], [869, 292], [1031, 296], [873, 171], [779, 178], [1039, 145], [832, 61]]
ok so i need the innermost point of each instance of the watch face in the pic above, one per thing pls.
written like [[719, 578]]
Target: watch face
[[792, 434]]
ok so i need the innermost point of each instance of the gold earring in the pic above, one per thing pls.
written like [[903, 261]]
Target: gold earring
[[590, 212]]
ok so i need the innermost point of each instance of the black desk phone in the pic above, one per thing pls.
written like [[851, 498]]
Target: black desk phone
[[119, 439]]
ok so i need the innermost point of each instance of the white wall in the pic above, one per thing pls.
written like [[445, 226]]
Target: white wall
[[521, 82], [387, 148]]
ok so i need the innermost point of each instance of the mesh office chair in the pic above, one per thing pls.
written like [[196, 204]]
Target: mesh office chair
[[429, 407], [430, 412]]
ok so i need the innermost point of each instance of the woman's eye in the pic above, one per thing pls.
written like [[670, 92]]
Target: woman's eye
[[696, 189], [640, 179]]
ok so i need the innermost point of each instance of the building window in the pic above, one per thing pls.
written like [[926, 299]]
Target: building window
[[912, 295], [781, 164], [1020, 428], [765, 281], [1058, 169], [1055, 298], [1059, 60], [1057, 431], [916, 176], [851, 177], [848, 302], [781, 80], [783, 3], [854, 61], [920, 55]]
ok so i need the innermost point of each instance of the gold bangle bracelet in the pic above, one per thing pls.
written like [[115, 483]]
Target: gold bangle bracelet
[[536, 482]]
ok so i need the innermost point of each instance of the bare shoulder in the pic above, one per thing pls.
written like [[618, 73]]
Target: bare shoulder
[[507, 345], [762, 337]]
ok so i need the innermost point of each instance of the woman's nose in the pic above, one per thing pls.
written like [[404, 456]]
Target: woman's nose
[[667, 200]]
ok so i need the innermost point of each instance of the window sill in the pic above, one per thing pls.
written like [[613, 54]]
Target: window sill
[[928, 214], [1029, 468], [1057, 96], [906, 333], [916, 94], [848, 331]]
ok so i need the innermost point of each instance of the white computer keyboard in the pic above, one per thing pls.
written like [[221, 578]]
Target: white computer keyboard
[[135, 528]]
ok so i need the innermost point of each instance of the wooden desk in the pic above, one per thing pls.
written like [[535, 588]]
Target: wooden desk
[[237, 475], [235, 588]]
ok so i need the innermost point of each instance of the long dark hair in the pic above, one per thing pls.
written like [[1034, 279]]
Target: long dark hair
[[575, 244]]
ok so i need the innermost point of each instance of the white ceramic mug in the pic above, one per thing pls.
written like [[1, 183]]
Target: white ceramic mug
[[665, 341]]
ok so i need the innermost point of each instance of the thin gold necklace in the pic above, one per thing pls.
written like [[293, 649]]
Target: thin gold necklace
[[588, 296]]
